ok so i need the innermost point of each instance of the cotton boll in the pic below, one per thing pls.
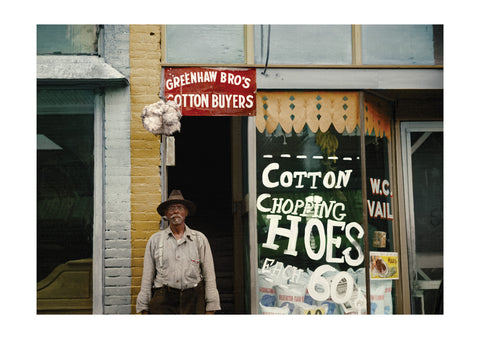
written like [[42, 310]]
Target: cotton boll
[[158, 108], [170, 110], [174, 107], [152, 123], [153, 109], [144, 112], [170, 129], [162, 108], [173, 104], [162, 117], [176, 128], [173, 111], [170, 118]]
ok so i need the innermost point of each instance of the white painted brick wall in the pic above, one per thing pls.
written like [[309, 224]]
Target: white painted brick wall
[[117, 252]]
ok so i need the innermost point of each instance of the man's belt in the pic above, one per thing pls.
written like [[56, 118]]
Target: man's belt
[[177, 290]]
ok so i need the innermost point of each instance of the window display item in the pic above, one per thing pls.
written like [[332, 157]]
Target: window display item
[[274, 310]]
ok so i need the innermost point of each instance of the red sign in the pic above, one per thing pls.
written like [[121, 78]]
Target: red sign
[[212, 91]]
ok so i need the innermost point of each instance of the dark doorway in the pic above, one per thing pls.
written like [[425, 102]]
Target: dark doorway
[[203, 172]]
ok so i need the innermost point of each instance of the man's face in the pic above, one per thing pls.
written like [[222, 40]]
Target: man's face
[[176, 214]]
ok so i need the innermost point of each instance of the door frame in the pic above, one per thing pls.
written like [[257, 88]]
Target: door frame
[[98, 241], [406, 128], [252, 212], [239, 206]]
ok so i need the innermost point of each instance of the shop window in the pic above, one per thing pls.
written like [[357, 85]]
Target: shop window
[[400, 45], [205, 44], [303, 44], [67, 39], [64, 177], [309, 204], [383, 259], [311, 233]]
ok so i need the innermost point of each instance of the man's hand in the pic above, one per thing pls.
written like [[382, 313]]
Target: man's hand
[[210, 312]]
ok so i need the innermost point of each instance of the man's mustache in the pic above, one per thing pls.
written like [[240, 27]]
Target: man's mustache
[[172, 217]]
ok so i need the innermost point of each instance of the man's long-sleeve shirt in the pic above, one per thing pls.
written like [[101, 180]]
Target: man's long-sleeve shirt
[[185, 262]]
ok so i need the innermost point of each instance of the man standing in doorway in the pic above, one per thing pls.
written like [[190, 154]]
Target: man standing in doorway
[[178, 270]]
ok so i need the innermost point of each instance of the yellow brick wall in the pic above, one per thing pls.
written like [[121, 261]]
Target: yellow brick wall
[[145, 147]]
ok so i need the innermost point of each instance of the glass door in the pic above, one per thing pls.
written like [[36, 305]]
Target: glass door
[[422, 153]]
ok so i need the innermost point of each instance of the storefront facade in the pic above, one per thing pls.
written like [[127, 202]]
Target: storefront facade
[[317, 187]]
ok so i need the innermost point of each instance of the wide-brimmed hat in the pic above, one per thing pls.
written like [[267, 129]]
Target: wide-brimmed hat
[[176, 197]]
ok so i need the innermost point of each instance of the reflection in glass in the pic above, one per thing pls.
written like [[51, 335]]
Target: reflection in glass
[[67, 39], [303, 44], [397, 45], [427, 179], [64, 178], [197, 44]]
